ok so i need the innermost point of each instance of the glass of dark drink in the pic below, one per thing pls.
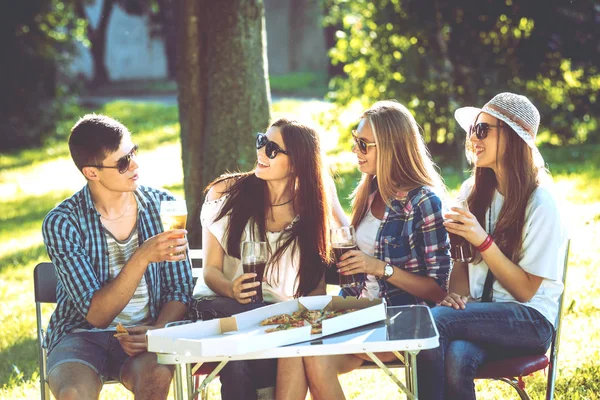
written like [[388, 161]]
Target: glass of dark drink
[[343, 239], [460, 248], [254, 260]]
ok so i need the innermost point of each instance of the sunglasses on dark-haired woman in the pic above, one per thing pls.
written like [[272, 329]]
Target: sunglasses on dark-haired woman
[[271, 148], [123, 163], [480, 130]]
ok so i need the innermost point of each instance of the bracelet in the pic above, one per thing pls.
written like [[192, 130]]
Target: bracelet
[[487, 243]]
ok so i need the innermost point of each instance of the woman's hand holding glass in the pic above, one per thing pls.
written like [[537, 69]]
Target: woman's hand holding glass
[[241, 291], [467, 227], [356, 262]]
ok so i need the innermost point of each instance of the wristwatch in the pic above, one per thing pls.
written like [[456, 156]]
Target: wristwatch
[[388, 271]]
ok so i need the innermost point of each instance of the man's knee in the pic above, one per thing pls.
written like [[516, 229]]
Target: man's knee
[[74, 381], [156, 375]]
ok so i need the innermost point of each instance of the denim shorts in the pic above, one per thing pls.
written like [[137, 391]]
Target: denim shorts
[[99, 350]]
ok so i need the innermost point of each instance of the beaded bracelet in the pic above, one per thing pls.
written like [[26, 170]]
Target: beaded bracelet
[[487, 243]]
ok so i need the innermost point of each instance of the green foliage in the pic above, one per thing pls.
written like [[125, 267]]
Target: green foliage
[[436, 55], [35, 38]]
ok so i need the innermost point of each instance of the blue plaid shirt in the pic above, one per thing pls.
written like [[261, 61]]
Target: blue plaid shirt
[[412, 237], [77, 246]]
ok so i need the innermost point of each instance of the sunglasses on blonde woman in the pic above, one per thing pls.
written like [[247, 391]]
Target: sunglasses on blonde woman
[[271, 148], [123, 163], [362, 144], [480, 130]]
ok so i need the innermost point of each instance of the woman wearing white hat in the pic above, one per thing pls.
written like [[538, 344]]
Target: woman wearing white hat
[[505, 302]]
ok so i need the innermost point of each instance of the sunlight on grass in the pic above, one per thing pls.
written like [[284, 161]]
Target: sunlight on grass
[[33, 182]]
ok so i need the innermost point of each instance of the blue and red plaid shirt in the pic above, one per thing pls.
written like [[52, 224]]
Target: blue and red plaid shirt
[[76, 244], [412, 237]]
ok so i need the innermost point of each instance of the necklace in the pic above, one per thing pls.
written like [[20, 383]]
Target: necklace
[[283, 204], [119, 217]]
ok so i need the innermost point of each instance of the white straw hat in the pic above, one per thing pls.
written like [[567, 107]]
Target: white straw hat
[[514, 110]]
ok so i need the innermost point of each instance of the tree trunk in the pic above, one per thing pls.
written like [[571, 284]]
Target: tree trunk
[[169, 25], [97, 38], [223, 92]]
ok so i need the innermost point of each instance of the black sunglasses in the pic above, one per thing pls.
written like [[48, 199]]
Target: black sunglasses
[[480, 130], [362, 144], [123, 163], [271, 149]]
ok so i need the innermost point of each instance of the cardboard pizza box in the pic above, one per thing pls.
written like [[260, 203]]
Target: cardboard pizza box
[[243, 333]]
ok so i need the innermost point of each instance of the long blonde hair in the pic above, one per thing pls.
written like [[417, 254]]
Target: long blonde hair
[[403, 160]]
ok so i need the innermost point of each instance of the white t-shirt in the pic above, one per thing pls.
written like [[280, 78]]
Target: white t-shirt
[[543, 252], [366, 234], [283, 288]]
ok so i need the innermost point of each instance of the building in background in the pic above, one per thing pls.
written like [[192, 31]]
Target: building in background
[[295, 42]]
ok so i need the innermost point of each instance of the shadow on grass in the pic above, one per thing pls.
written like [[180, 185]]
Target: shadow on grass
[[21, 258], [18, 362]]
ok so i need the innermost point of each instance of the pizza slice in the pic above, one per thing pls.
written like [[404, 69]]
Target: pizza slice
[[316, 329], [298, 315], [121, 331], [286, 326], [313, 316], [276, 320]]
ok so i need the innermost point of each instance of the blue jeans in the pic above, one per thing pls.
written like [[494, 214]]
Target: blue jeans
[[99, 350], [470, 337], [241, 379]]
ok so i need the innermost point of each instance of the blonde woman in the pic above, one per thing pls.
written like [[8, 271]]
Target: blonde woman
[[404, 250]]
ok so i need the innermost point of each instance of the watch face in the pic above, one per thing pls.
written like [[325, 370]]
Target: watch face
[[388, 271]]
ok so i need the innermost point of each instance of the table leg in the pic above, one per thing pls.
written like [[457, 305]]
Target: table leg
[[385, 369], [178, 389], [203, 388], [413, 365], [407, 370], [189, 378]]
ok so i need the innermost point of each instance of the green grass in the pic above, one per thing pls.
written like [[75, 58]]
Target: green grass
[[33, 181], [304, 84], [151, 123]]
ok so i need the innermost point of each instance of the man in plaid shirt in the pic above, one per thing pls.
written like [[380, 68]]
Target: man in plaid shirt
[[114, 265]]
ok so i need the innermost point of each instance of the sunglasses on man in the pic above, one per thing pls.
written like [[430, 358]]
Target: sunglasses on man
[[480, 130], [271, 148], [362, 144], [123, 163]]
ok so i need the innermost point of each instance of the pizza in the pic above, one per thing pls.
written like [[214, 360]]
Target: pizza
[[276, 320], [121, 331], [286, 326], [297, 318]]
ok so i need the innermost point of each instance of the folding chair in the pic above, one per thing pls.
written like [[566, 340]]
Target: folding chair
[[512, 370], [44, 284]]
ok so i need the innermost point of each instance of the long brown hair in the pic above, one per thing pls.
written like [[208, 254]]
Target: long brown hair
[[522, 179], [403, 160], [249, 202]]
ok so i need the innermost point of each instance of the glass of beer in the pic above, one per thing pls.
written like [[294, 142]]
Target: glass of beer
[[173, 214], [343, 239], [460, 248], [254, 260]]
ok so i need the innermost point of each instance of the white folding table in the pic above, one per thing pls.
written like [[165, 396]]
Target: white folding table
[[406, 331]]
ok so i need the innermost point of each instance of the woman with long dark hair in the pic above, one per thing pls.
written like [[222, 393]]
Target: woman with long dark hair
[[403, 248], [285, 201], [505, 302]]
